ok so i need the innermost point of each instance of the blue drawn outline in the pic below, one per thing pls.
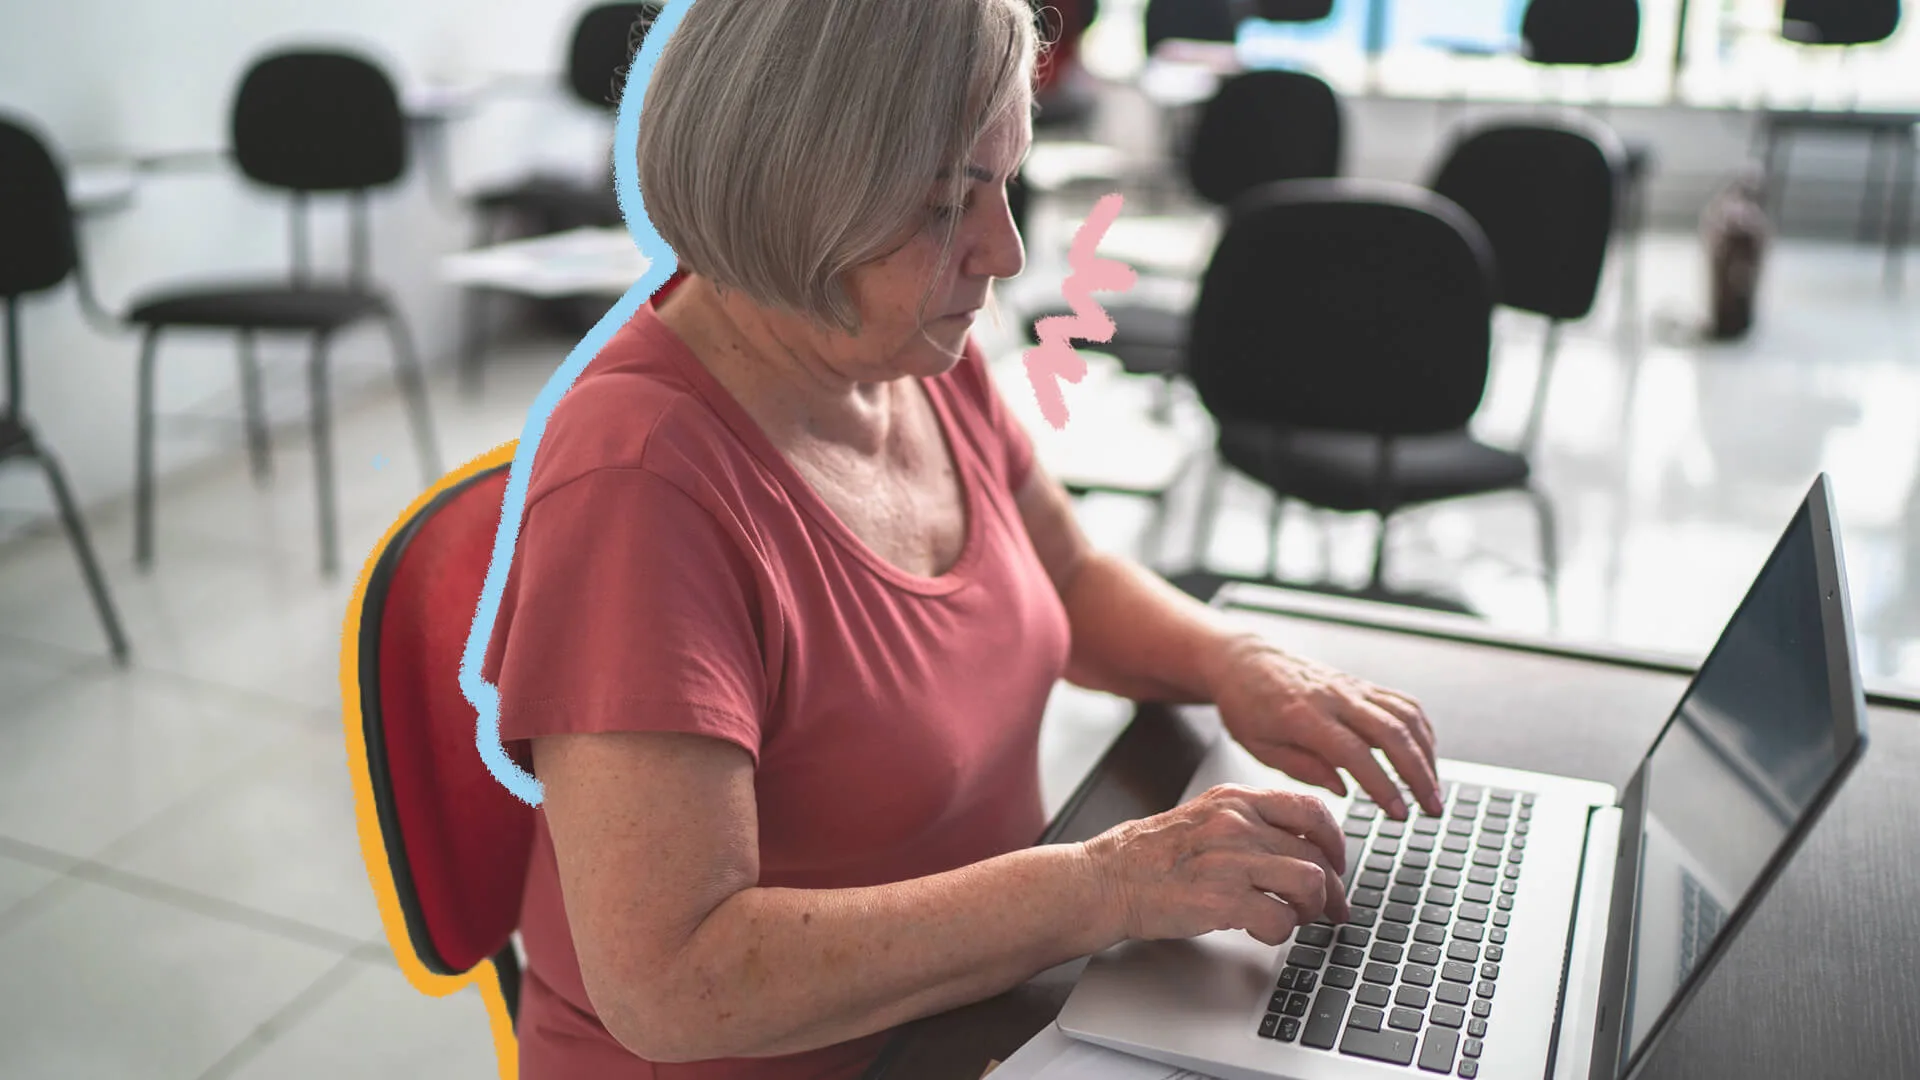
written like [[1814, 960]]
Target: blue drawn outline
[[483, 695]]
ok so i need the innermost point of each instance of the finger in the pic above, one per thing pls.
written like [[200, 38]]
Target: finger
[[1302, 816], [1302, 883], [1339, 745], [1385, 731], [1408, 712], [1336, 908], [1304, 767], [1269, 920]]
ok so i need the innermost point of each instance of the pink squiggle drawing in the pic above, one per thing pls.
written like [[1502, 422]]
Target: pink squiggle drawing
[[1054, 358]]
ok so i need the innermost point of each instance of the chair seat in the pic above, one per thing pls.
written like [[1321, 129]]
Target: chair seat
[[257, 306], [1147, 340], [558, 202], [1335, 470]]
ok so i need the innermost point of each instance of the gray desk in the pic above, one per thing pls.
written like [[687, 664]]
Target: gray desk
[[1823, 982]]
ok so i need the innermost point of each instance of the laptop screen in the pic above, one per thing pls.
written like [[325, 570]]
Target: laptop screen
[[1739, 767]]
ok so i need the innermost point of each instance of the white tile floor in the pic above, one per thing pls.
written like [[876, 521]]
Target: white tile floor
[[181, 891]]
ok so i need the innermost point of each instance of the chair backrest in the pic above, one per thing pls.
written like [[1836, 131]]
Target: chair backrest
[[1263, 126], [1192, 20], [1345, 305], [456, 840], [1544, 191], [1589, 33], [604, 43], [319, 120], [1288, 11], [1839, 22], [37, 249]]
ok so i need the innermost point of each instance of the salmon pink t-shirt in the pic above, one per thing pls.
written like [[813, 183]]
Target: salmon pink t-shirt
[[675, 573]]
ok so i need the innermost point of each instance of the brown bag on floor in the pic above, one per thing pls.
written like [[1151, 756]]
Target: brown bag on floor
[[1735, 232]]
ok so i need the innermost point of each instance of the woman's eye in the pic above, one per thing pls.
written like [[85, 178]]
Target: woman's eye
[[948, 213]]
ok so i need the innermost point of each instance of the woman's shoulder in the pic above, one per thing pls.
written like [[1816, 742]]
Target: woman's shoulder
[[634, 407]]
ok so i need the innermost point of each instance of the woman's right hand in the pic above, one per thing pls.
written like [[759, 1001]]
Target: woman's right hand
[[1209, 864]]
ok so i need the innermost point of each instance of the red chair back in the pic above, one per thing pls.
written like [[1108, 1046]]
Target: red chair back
[[456, 840]]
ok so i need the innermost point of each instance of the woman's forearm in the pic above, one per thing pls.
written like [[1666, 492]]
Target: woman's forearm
[[781, 971], [1137, 636]]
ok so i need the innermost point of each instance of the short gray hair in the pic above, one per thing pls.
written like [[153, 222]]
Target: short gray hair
[[783, 142]]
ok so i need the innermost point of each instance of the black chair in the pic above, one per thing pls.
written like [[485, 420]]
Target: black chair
[[603, 45], [1341, 342], [1545, 194], [38, 252], [1839, 22], [1599, 33], [306, 122], [1192, 20], [1260, 127]]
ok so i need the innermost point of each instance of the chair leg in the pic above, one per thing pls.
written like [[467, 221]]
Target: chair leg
[[473, 356], [1377, 583], [259, 447], [143, 453], [1213, 476], [1549, 554], [1274, 511], [1901, 196], [1535, 414], [319, 412], [76, 527], [413, 387]]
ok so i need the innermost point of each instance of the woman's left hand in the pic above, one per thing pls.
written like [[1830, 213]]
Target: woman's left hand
[[1309, 721]]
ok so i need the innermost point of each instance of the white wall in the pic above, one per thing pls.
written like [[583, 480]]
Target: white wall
[[109, 78]]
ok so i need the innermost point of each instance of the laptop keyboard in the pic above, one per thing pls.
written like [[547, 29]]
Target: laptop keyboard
[[1701, 917], [1411, 977]]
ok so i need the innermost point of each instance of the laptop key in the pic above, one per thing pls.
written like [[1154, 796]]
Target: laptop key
[[1365, 811], [1501, 918], [1464, 951], [1362, 916], [1483, 857], [1477, 1028], [1394, 932], [1436, 1053], [1342, 977], [1443, 897], [1453, 993], [1349, 956], [1306, 956], [1457, 845], [1382, 863], [1469, 1069], [1423, 953], [1469, 793], [1497, 936], [1452, 860], [1386, 846], [1393, 829], [1356, 848], [1323, 1024], [1296, 1005], [1422, 975], [1396, 912], [1467, 931], [1269, 1025], [1405, 1019], [1357, 828], [1472, 1049], [1506, 903], [1386, 952], [1490, 841], [1447, 879], [1485, 989], [1404, 894], [1366, 1019], [1457, 971], [1478, 894], [1430, 934], [1317, 936], [1451, 1016], [1391, 1046], [1509, 887], [1411, 876], [1493, 952], [1380, 973], [1434, 913], [1460, 827], [1354, 935], [1489, 971], [1473, 912], [1372, 879], [1519, 843], [1426, 826], [1365, 897], [1289, 1029], [1483, 1008], [1304, 983], [1372, 994], [1413, 997], [1481, 875], [1418, 860], [1419, 842], [1287, 975]]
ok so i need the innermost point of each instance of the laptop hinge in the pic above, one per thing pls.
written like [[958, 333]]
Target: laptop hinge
[[1580, 966]]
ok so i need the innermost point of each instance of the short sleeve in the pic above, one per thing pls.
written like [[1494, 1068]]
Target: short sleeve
[[1007, 436], [628, 608]]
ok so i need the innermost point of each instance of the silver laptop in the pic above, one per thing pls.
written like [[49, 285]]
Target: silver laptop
[[1542, 926]]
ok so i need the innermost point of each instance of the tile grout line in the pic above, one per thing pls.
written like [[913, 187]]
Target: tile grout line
[[285, 1019]]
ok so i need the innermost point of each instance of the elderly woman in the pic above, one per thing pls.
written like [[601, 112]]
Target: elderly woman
[[791, 593]]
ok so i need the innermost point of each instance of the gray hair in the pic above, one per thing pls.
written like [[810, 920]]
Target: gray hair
[[783, 142]]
